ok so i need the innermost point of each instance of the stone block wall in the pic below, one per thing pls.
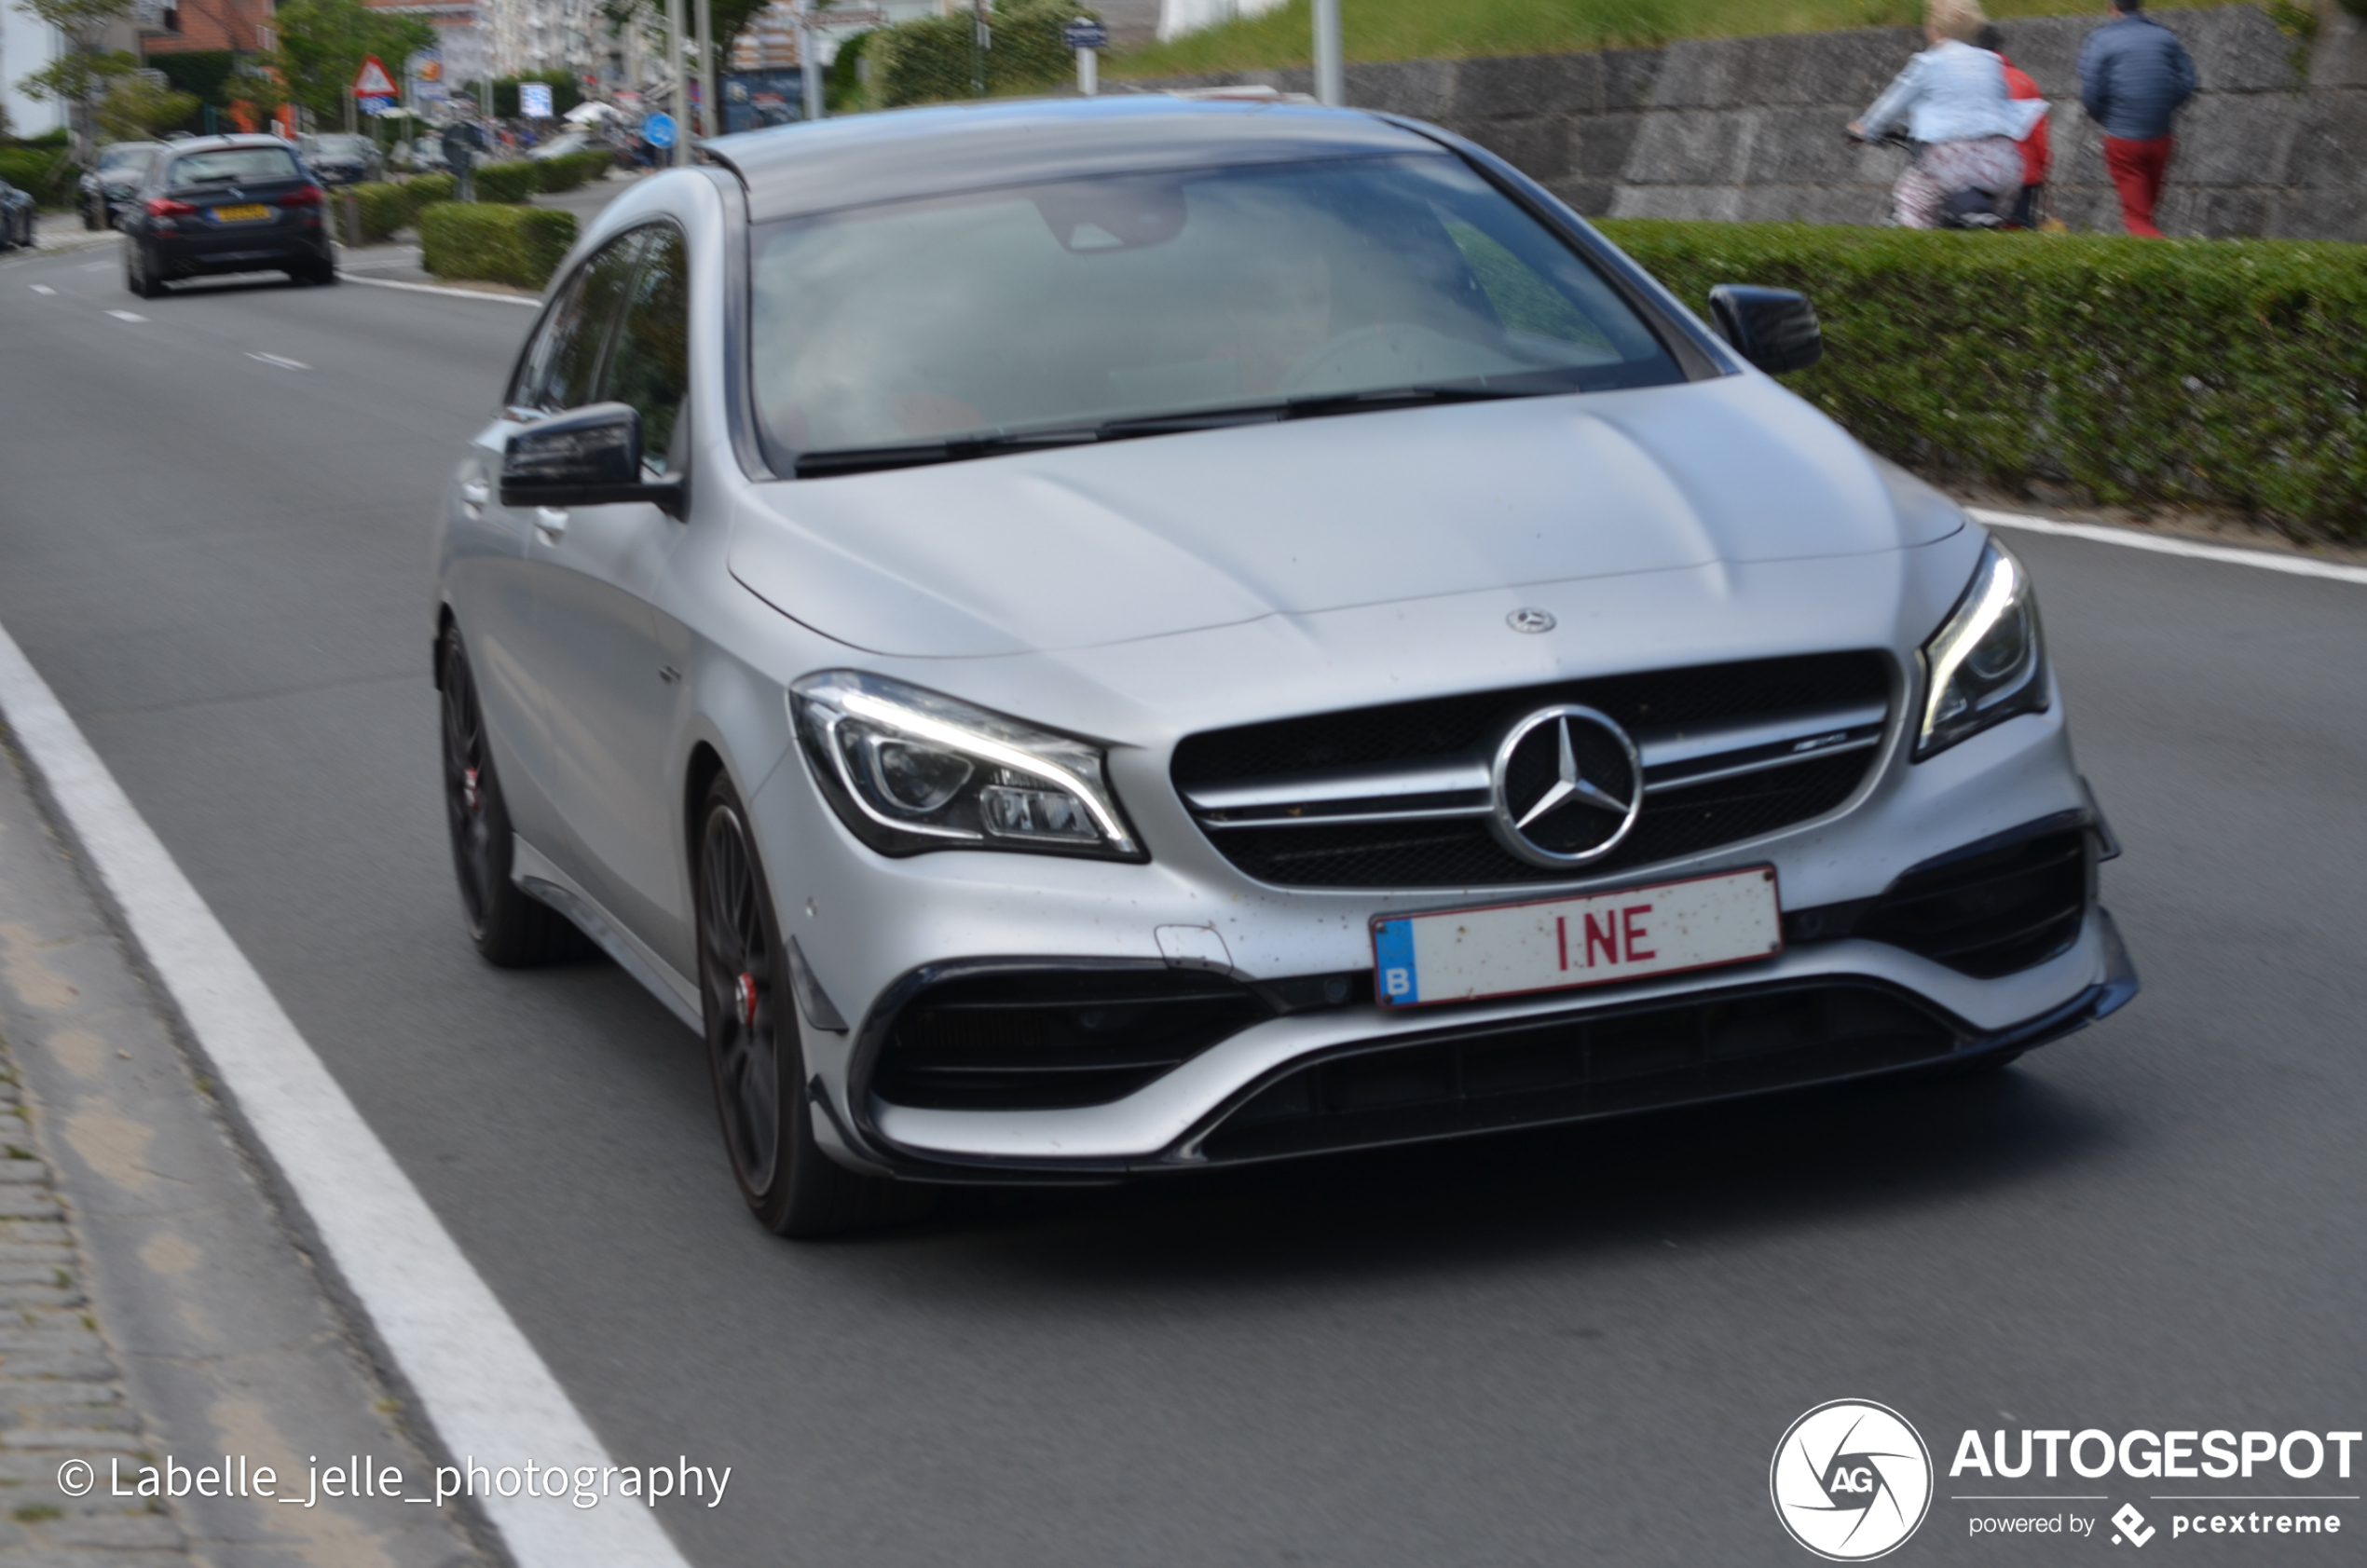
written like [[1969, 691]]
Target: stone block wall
[[1750, 128]]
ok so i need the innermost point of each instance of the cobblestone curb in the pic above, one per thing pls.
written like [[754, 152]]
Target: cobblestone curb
[[62, 1395]]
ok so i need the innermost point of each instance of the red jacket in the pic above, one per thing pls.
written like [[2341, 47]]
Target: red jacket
[[2037, 154]]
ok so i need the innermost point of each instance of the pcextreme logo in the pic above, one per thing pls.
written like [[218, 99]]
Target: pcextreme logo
[[1852, 1480]]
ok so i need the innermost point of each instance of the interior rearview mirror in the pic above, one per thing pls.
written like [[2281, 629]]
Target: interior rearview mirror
[[1774, 329], [586, 456]]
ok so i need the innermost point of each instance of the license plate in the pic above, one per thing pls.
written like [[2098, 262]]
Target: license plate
[[1565, 944], [246, 214]]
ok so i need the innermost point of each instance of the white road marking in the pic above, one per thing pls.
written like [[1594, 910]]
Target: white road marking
[[127, 316], [435, 288], [482, 1384], [276, 360], [42, 289], [2130, 538]]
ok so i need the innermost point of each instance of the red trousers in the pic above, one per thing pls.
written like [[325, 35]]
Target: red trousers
[[2138, 170]]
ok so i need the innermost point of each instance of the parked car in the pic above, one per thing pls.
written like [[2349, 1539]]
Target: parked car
[[225, 204], [109, 181], [1082, 639], [16, 216], [339, 159]]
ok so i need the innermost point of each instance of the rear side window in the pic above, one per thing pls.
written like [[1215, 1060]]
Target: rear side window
[[563, 366], [233, 166]]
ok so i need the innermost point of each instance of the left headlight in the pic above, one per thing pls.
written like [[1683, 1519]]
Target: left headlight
[[1987, 661], [910, 771]]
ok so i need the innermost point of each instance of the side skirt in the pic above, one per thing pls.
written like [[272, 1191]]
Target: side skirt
[[538, 879]]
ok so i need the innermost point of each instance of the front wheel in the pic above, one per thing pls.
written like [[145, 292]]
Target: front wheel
[[753, 1051], [509, 928]]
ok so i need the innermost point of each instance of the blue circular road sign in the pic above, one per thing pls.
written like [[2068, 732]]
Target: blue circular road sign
[[658, 130]]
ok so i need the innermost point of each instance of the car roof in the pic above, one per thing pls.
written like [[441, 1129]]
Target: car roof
[[813, 168], [227, 139]]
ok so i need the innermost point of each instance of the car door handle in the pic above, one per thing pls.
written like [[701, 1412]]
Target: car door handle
[[474, 495], [551, 521]]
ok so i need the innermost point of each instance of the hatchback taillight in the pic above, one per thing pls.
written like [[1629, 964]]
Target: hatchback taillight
[[165, 206], [304, 196]]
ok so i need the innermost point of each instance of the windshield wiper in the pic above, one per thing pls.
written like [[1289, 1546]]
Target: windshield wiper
[[954, 449]]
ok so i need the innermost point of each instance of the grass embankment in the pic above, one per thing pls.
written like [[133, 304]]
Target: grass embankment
[[1473, 29]]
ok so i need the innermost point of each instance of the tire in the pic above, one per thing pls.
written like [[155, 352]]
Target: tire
[[509, 929], [137, 274], [90, 219], [755, 1055]]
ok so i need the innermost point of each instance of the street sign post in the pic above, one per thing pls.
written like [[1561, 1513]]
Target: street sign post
[[534, 100], [371, 80], [658, 130], [1086, 35]]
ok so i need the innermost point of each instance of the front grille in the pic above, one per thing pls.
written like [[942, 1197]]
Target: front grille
[[1568, 1069], [1991, 912], [1057, 1039], [1408, 781]]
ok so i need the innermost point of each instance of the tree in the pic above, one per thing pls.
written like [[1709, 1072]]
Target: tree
[[135, 109], [322, 43], [75, 76]]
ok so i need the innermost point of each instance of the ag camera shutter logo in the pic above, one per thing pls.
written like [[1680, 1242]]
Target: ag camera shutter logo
[[1852, 1480]]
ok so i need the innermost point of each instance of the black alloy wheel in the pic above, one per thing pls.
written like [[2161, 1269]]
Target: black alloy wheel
[[91, 210], [509, 928], [754, 1051]]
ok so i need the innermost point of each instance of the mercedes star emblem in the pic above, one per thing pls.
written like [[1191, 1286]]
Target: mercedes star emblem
[[1567, 786], [1530, 620]]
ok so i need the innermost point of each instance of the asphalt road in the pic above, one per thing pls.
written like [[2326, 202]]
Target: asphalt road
[[1575, 1348]]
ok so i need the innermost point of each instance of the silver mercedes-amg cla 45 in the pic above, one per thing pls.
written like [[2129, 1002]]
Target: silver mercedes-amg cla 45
[[1085, 639]]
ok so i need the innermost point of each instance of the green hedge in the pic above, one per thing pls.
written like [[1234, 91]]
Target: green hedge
[[513, 181], [497, 242], [928, 61], [425, 188], [385, 208], [570, 170], [48, 177], [2217, 373]]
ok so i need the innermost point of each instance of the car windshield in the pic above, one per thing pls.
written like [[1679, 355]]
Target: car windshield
[[233, 166], [123, 157], [1090, 308]]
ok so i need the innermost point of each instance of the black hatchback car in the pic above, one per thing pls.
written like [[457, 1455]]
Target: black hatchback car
[[225, 204]]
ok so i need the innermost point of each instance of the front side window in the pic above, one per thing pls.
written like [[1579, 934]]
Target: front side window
[[1088, 303], [233, 166], [650, 367], [562, 368]]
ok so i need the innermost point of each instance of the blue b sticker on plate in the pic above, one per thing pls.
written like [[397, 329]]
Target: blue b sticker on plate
[[1393, 949]]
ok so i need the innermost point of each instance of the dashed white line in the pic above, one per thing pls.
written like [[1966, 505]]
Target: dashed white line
[[276, 360], [2129, 538], [482, 1384], [42, 289], [127, 316]]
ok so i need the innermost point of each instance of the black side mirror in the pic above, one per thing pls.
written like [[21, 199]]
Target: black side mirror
[[1774, 329], [586, 456]]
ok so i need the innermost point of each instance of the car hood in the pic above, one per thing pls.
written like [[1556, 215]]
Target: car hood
[[1081, 547]]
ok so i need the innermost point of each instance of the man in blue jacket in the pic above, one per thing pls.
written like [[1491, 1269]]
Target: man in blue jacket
[[2134, 75]]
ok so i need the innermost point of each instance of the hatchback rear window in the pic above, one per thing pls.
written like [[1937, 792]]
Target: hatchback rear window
[[233, 166]]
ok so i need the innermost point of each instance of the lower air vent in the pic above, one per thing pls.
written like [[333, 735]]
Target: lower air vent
[[1991, 911], [1565, 1070], [1053, 1040]]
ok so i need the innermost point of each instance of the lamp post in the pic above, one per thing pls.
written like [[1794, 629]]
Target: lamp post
[[1328, 86]]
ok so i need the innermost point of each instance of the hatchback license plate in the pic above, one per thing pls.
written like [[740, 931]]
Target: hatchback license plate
[[1563, 944], [246, 214]]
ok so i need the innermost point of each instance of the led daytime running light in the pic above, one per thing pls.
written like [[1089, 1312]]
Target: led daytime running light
[[952, 737]]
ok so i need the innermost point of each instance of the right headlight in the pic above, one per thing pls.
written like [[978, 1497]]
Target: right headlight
[[910, 771], [1987, 661]]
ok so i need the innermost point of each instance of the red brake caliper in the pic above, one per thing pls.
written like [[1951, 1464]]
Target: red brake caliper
[[469, 791], [743, 988]]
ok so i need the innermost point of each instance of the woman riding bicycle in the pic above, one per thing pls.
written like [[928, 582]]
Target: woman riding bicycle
[[1952, 101]]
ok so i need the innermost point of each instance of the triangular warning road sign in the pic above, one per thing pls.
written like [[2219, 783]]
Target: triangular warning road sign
[[371, 80]]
